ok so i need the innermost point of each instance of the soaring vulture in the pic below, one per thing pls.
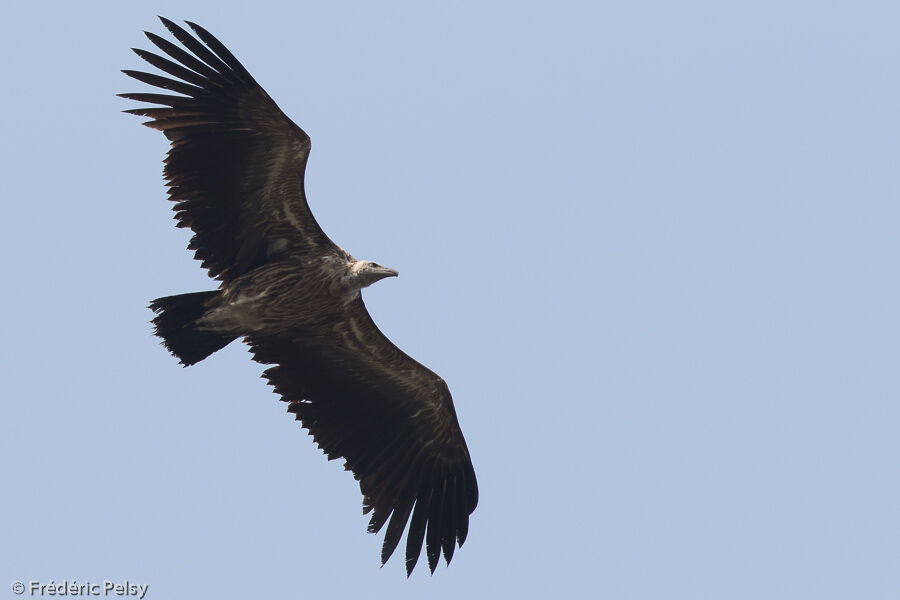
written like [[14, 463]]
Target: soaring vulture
[[235, 172]]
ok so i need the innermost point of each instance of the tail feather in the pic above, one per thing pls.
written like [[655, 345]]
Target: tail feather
[[175, 323]]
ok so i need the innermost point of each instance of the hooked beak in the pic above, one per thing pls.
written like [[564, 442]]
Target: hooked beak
[[380, 273]]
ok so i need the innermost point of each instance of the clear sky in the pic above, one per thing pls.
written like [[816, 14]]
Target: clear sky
[[651, 246]]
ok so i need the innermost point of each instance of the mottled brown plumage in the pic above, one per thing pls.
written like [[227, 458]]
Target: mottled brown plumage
[[235, 172]]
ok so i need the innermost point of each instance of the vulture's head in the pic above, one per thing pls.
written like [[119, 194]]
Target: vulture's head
[[368, 272]]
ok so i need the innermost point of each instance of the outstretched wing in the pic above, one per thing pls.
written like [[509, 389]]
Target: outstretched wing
[[236, 165], [390, 418]]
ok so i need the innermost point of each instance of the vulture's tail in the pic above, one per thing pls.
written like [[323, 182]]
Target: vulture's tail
[[175, 323]]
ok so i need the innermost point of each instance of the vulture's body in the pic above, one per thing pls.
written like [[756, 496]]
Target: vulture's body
[[235, 171]]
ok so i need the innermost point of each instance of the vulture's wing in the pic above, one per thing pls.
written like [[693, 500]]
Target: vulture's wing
[[236, 164], [393, 421]]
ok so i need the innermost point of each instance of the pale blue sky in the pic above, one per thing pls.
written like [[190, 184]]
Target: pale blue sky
[[651, 246]]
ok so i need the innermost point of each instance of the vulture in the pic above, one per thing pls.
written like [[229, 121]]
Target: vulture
[[235, 173]]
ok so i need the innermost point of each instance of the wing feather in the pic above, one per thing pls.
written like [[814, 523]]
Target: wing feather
[[164, 82], [394, 532], [222, 52], [199, 50], [416, 535], [164, 64], [435, 515], [185, 58], [448, 535], [162, 99]]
